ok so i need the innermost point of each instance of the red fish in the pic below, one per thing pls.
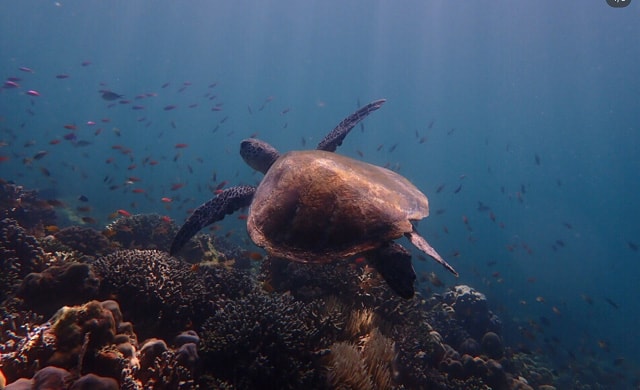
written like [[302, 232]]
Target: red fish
[[138, 191], [124, 213], [177, 186], [70, 127], [54, 141], [181, 146], [166, 200], [32, 92]]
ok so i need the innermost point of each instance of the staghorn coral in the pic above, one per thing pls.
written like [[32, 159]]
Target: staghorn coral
[[22, 205], [245, 340], [161, 294], [20, 254]]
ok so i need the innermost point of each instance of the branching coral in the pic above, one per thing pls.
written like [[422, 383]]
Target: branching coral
[[160, 294], [245, 340], [20, 254]]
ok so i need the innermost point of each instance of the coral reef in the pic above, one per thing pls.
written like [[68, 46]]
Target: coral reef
[[20, 254], [89, 243], [22, 205], [293, 326], [65, 284], [472, 311], [141, 231], [90, 347], [161, 294], [244, 339]]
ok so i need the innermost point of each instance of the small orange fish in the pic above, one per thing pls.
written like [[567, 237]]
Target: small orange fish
[[138, 191], [177, 186], [166, 200], [52, 229], [54, 141], [242, 217], [254, 256], [359, 260], [124, 213], [166, 219], [70, 127], [181, 146]]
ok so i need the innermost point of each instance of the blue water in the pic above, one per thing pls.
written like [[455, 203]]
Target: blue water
[[490, 85]]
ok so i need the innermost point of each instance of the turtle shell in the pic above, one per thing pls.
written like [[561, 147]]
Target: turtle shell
[[317, 206]]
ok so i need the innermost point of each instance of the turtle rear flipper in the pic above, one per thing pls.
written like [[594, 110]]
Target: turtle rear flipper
[[424, 246], [393, 262], [228, 201], [334, 139]]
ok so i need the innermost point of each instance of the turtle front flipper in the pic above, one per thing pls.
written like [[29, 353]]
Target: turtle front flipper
[[393, 262], [228, 201], [334, 139], [424, 246]]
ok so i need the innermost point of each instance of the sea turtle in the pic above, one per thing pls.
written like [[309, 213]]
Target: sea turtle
[[317, 206]]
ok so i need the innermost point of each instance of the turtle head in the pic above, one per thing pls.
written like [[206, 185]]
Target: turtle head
[[258, 154]]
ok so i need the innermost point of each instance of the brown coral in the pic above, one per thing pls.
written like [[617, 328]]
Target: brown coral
[[20, 254], [160, 294], [31, 213]]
